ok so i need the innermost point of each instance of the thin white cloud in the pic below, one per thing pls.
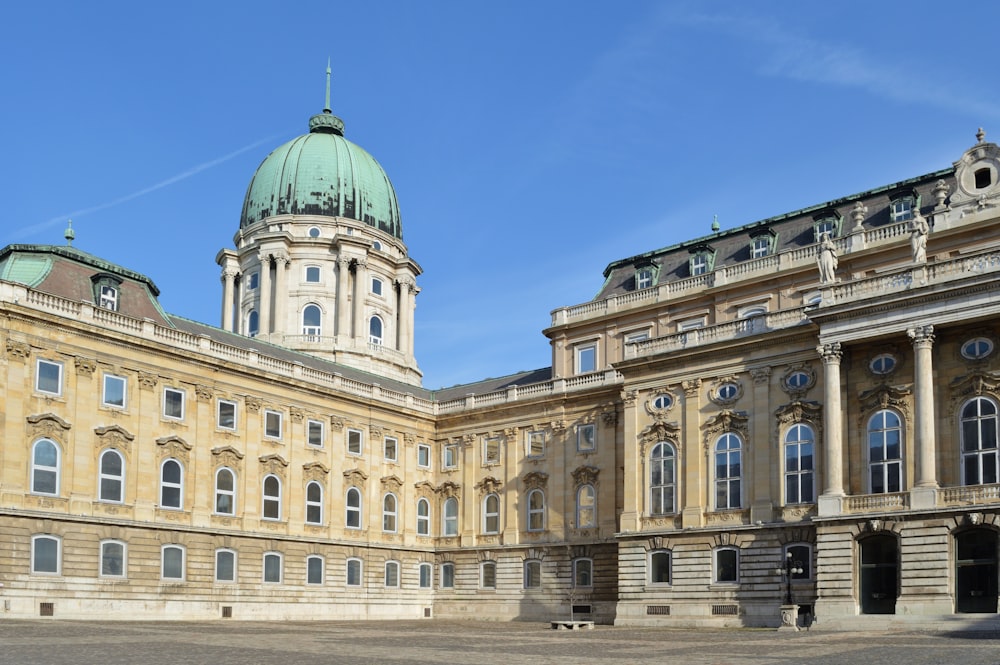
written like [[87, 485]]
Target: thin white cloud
[[61, 219]]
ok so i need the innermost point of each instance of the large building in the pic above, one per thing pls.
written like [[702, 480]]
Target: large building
[[799, 411]]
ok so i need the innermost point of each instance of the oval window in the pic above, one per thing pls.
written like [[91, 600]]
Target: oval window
[[797, 380], [313, 231], [728, 391], [977, 348], [883, 364], [662, 402]]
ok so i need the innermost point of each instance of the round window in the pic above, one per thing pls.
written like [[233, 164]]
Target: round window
[[662, 402], [977, 348], [797, 380], [883, 364], [313, 231], [377, 246], [728, 391]]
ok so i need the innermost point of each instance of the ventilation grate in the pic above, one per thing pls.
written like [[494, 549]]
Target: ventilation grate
[[725, 610], [227, 611], [661, 610], [46, 609]]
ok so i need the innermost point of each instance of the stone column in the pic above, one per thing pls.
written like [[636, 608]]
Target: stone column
[[404, 314], [923, 342], [360, 293], [264, 286], [343, 300], [228, 305], [690, 476], [281, 326], [833, 453]]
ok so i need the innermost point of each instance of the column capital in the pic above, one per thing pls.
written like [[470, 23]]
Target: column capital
[[831, 353], [691, 387], [921, 335], [282, 258], [229, 273]]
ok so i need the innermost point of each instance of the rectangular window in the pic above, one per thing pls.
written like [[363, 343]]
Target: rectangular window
[[312, 274], [272, 568], [491, 450], [390, 449], [450, 456], [226, 417], [488, 575], [391, 574], [112, 559], [354, 439], [314, 570], [109, 298], [225, 566], [727, 566], [690, 324], [272, 424], [254, 281], [760, 247], [447, 576], [532, 574], [49, 377], [536, 444], [699, 264], [902, 210], [659, 567], [173, 403], [423, 456], [586, 358], [644, 278], [586, 437], [354, 572], [314, 433], [425, 576], [172, 565], [45, 555], [113, 394], [634, 338]]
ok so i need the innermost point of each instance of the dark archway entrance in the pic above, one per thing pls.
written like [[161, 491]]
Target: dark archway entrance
[[879, 574], [976, 571]]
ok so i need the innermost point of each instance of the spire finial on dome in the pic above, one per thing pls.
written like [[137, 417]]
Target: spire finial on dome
[[68, 233], [326, 122], [326, 107], [981, 135]]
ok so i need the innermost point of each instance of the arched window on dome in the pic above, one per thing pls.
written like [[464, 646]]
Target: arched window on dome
[[375, 330], [253, 323], [312, 323]]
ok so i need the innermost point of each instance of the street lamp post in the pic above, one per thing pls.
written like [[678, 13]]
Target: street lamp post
[[789, 610]]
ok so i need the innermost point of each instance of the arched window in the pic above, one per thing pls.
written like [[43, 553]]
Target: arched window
[[536, 510], [312, 321], [172, 562], [112, 558], [314, 503], [225, 492], [272, 498], [662, 479], [225, 565], [45, 468], [885, 453], [375, 330], [451, 517], [659, 567], [583, 573], [112, 476], [979, 442], [728, 470], [423, 517], [354, 572], [426, 573], [353, 516], [586, 502], [389, 511], [392, 573], [799, 443], [273, 567], [447, 579], [46, 555], [171, 484], [253, 323], [727, 565], [491, 514], [488, 575], [314, 569], [532, 574]]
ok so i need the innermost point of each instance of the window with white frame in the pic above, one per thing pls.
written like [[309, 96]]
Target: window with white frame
[[536, 444], [699, 264], [225, 565], [882, 364], [800, 441], [271, 509], [46, 555], [111, 481], [426, 572], [315, 433], [662, 479], [586, 507], [173, 403], [491, 450], [636, 337], [583, 573], [977, 348], [586, 358], [901, 209], [114, 391], [376, 286], [314, 569], [272, 424], [314, 232], [45, 467], [273, 567], [375, 331], [760, 247], [353, 508], [828, 225], [536, 510], [532, 574], [423, 517], [392, 573], [390, 449], [225, 417], [253, 323], [48, 377], [491, 514], [660, 567], [225, 491], [450, 517], [488, 575], [314, 503], [171, 484], [354, 572], [312, 322], [354, 441], [728, 471], [423, 456], [447, 578], [644, 278], [885, 452], [112, 562], [108, 298], [253, 281], [172, 562], [312, 274], [800, 555], [727, 565], [691, 324], [586, 437], [979, 434], [449, 456], [390, 508]]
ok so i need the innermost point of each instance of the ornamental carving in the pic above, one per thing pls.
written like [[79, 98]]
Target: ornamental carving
[[392, 483], [253, 403], [409, 439], [449, 490], [662, 522], [799, 412], [47, 424], [610, 418], [830, 353], [488, 485], [315, 471], [974, 384], [147, 380], [424, 489], [85, 366], [658, 431], [296, 413], [273, 463], [585, 475], [728, 517], [468, 439], [726, 421], [884, 397], [114, 436], [629, 396], [355, 477], [535, 480], [17, 349], [173, 446], [659, 543], [203, 392], [535, 553], [761, 375], [227, 456], [336, 423], [691, 387], [726, 390], [376, 432], [558, 425], [510, 433]]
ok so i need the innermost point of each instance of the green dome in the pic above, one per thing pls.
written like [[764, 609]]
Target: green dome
[[322, 173]]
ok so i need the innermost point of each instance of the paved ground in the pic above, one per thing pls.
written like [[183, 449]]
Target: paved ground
[[464, 643]]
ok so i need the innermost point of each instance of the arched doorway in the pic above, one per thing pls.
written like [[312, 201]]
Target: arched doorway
[[879, 574], [976, 571]]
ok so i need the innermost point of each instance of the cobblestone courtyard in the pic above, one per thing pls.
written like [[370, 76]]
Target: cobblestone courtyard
[[473, 643]]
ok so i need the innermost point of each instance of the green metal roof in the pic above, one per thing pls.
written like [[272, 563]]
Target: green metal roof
[[322, 173]]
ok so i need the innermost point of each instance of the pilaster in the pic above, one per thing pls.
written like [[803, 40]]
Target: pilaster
[[693, 479]]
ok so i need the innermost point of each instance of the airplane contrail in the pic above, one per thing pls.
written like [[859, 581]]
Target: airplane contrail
[[61, 219]]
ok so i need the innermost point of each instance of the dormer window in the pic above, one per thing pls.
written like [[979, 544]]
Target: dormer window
[[699, 264], [644, 278], [109, 298], [702, 260], [901, 209], [107, 289], [759, 247], [828, 224]]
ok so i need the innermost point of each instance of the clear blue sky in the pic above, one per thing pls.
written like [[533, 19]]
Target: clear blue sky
[[530, 142]]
